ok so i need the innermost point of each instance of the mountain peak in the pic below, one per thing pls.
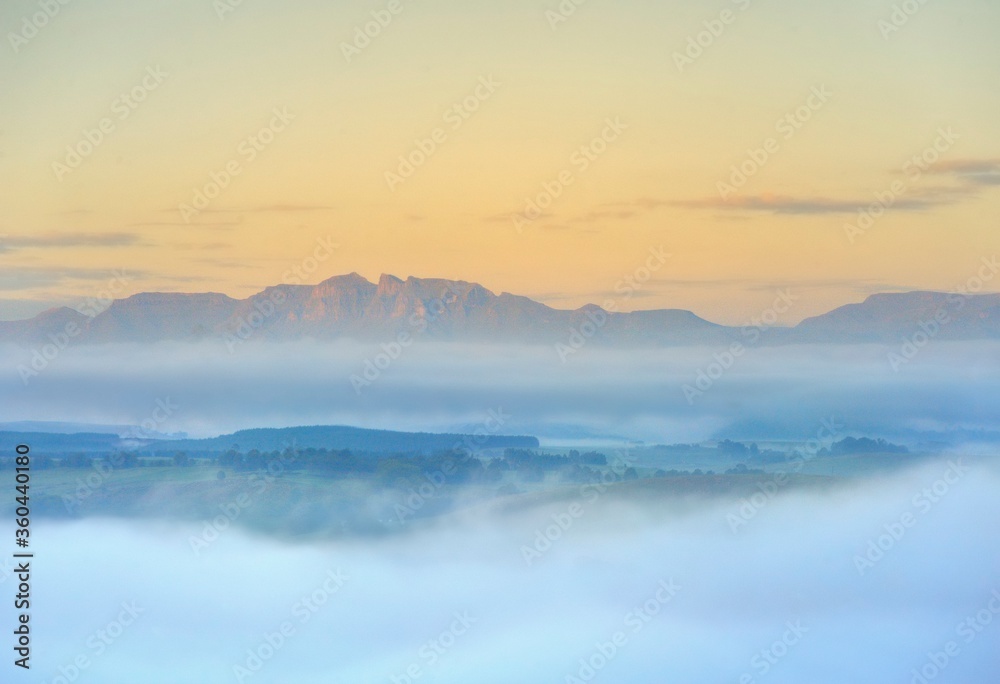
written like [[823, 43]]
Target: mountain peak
[[352, 279], [389, 285]]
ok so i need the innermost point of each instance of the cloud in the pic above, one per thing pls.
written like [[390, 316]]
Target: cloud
[[794, 206], [610, 211], [970, 171], [23, 278], [733, 596], [263, 209], [970, 175], [222, 263], [645, 203], [63, 240], [183, 224], [509, 217], [18, 278], [274, 385], [198, 247], [592, 216]]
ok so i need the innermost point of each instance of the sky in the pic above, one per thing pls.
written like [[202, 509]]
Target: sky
[[419, 149]]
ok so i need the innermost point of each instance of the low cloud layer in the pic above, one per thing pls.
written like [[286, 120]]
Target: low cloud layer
[[670, 395], [637, 593]]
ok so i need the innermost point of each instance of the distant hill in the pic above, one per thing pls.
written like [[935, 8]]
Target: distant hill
[[265, 440], [349, 306], [337, 437], [55, 444], [60, 427], [894, 317]]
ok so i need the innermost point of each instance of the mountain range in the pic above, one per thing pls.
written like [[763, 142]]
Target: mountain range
[[349, 306]]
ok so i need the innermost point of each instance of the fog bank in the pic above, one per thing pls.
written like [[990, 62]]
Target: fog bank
[[681, 598]]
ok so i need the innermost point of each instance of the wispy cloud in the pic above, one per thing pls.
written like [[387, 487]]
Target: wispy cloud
[[199, 247], [63, 240], [971, 176], [222, 263], [971, 171], [263, 209], [182, 224], [644, 203], [602, 215], [783, 204], [22, 278]]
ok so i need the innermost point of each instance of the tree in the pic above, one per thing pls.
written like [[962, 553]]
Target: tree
[[77, 461]]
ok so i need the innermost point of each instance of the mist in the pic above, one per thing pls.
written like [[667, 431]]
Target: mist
[[638, 592], [665, 395]]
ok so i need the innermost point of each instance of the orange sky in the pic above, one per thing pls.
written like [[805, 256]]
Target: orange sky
[[602, 117]]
